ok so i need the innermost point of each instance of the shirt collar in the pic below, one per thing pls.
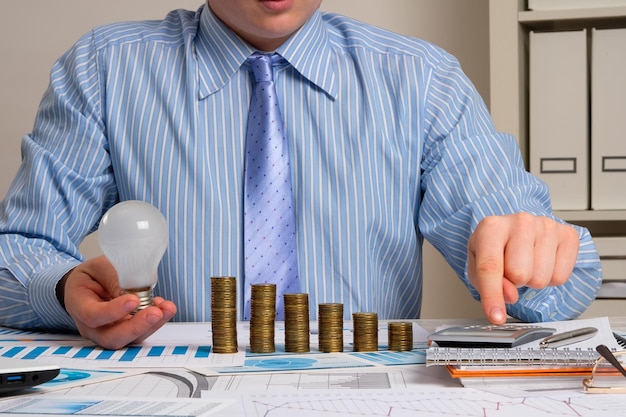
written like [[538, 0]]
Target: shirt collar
[[221, 53]]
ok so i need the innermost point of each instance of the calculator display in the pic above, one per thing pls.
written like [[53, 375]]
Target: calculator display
[[507, 335]]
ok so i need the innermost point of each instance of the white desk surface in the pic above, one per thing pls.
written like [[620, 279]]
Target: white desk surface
[[379, 391]]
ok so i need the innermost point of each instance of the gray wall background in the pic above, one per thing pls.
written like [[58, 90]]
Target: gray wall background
[[33, 33]]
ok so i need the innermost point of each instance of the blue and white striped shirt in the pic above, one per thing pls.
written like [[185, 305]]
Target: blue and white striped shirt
[[389, 142]]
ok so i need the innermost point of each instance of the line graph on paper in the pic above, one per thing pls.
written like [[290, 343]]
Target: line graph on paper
[[461, 402]]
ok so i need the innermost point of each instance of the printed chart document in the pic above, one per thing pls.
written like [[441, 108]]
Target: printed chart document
[[415, 402], [380, 388], [52, 405], [433, 403]]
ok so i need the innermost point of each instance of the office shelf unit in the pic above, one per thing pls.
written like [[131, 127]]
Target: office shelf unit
[[510, 24]]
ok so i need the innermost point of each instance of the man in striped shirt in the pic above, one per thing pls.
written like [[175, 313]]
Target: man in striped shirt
[[389, 142]]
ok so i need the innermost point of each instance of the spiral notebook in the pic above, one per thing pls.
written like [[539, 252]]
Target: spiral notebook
[[581, 354]]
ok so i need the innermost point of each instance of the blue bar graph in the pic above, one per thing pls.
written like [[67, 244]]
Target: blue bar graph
[[36, 352], [388, 358], [106, 354], [130, 354], [180, 350], [14, 351], [156, 351], [62, 350], [203, 352], [84, 352]]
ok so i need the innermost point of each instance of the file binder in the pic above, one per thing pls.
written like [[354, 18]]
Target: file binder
[[608, 110], [573, 4], [558, 116], [612, 251]]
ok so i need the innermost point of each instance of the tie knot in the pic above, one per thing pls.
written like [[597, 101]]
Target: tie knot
[[262, 65]]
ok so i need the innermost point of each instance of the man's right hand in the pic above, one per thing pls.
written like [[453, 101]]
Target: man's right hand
[[102, 312]]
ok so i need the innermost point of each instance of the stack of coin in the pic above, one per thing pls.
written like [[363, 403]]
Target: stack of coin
[[365, 330], [297, 323], [330, 323], [400, 335], [262, 318], [224, 314]]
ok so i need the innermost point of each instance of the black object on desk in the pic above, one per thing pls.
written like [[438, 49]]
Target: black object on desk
[[19, 374]]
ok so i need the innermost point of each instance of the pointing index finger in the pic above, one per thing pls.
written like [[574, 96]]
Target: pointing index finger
[[486, 269]]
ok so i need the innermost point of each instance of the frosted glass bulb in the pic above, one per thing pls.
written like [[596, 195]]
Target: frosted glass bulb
[[133, 235]]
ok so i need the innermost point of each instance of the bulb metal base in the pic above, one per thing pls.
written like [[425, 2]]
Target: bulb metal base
[[146, 297]]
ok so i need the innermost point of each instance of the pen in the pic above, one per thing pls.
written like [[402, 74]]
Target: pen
[[567, 338]]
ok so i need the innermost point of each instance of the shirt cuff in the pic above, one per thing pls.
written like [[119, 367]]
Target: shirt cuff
[[43, 299]]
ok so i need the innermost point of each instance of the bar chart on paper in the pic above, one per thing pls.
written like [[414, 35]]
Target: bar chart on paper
[[80, 355]]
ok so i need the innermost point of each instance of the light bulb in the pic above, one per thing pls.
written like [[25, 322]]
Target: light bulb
[[133, 235]]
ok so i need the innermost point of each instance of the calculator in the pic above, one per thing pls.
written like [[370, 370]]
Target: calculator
[[477, 336]]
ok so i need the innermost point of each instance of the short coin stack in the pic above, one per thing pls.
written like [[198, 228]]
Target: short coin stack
[[262, 318], [297, 323], [330, 332], [365, 328], [400, 335], [224, 313]]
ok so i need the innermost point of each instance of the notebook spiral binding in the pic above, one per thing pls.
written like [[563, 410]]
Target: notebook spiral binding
[[510, 356]]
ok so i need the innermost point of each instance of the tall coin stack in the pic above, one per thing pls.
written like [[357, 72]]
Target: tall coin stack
[[297, 323], [224, 314], [365, 330], [330, 323], [262, 318], [400, 335]]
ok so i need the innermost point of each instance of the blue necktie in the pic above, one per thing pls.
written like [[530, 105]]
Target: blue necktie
[[269, 219]]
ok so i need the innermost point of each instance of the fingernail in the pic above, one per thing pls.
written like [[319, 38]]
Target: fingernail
[[130, 306], [152, 319], [496, 315]]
